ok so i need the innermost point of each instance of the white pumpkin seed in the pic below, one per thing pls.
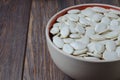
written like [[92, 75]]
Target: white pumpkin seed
[[117, 43], [112, 34], [118, 51], [103, 42], [97, 17], [114, 23], [99, 9], [84, 21], [87, 12], [105, 20], [114, 11], [81, 15], [88, 18], [84, 40], [54, 30], [79, 24], [82, 55], [118, 38], [111, 15], [97, 37], [64, 32], [100, 28], [80, 29], [114, 27], [99, 48], [68, 40], [90, 31], [67, 48], [71, 23], [94, 55], [72, 26], [57, 25], [58, 41], [72, 30], [91, 46], [79, 52], [96, 47], [74, 11], [118, 19], [62, 19], [91, 58], [73, 17], [74, 36], [78, 45], [110, 55], [110, 45]]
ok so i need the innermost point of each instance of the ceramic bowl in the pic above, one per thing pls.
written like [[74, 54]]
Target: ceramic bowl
[[80, 69]]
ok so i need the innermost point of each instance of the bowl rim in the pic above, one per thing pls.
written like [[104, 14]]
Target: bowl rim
[[66, 9]]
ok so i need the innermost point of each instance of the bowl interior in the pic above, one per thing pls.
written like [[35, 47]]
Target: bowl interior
[[80, 7]]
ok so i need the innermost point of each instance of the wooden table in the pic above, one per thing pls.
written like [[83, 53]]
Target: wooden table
[[23, 50]]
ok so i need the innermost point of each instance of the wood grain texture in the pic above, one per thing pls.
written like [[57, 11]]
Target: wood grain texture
[[38, 64], [112, 2], [14, 19]]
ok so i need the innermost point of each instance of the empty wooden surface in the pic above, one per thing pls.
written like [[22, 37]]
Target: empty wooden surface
[[14, 19], [23, 50]]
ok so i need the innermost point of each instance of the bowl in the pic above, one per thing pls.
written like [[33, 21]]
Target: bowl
[[80, 69]]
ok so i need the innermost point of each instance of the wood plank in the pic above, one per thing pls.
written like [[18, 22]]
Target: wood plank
[[38, 64], [14, 19], [112, 2]]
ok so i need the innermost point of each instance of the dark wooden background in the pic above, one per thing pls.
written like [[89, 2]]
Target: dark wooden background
[[23, 51]]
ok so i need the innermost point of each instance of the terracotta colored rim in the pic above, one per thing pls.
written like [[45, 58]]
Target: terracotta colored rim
[[64, 11]]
